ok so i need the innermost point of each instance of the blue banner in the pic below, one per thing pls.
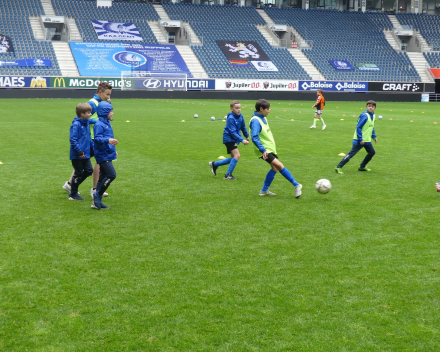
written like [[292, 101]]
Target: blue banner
[[24, 82], [109, 59], [334, 86], [341, 65], [27, 63]]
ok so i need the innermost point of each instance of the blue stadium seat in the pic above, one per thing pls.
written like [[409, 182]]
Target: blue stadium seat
[[355, 37], [211, 56], [84, 11]]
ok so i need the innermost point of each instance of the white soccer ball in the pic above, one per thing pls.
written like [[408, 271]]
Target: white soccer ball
[[212, 118], [323, 186], [196, 116], [380, 117]]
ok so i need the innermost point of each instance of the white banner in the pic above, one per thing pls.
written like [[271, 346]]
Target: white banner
[[53, 19], [256, 84], [116, 31], [170, 23], [278, 27], [264, 66]]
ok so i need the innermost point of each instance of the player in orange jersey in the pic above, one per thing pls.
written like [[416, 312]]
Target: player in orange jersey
[[319, 105]]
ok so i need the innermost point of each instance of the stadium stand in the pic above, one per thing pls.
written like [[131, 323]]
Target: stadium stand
[[433, 59], [355, 37], [14, 23], [84, 11], [231, 23], [428, 25]]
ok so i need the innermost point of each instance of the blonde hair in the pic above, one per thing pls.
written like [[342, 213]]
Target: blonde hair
[[233, 103]]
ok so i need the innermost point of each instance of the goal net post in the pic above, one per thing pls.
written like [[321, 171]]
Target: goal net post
[[144, 80]]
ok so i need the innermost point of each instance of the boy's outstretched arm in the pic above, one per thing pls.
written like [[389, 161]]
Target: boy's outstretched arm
[[244, 130], [234, 131], [256, 129]]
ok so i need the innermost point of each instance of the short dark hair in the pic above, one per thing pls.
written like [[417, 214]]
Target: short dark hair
[[82, 108], [102, 86], [371, 102], [233, 103], [262, 103]]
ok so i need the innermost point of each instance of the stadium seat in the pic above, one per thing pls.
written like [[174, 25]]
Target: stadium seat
[[211, 56], [355, 37]]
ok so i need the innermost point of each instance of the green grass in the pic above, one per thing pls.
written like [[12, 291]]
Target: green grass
[[185, 261]]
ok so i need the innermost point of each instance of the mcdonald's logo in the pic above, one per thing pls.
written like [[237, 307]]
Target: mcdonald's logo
[[59, 82]]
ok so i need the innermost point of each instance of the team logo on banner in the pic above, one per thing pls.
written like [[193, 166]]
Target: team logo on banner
[[129, 58], [341, 65], [264, 66], [6, 44], [241, 52], [116, 31]]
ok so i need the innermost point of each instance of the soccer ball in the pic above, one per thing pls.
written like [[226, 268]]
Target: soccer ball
[[380, 117], [212, 118], [196, 116], [323, 186]]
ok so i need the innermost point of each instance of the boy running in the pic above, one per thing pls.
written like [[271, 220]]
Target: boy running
[[231, 139], [363, 135], [265, 148]]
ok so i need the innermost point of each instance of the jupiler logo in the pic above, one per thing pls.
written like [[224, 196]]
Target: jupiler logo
[[152, 83]]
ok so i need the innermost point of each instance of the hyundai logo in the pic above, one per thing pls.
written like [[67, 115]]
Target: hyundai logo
[[152, 83]]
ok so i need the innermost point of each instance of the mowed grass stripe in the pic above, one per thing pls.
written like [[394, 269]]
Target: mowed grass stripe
[[187, 261]]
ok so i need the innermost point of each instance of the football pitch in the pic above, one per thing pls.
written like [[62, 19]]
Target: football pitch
[[186, 261]]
